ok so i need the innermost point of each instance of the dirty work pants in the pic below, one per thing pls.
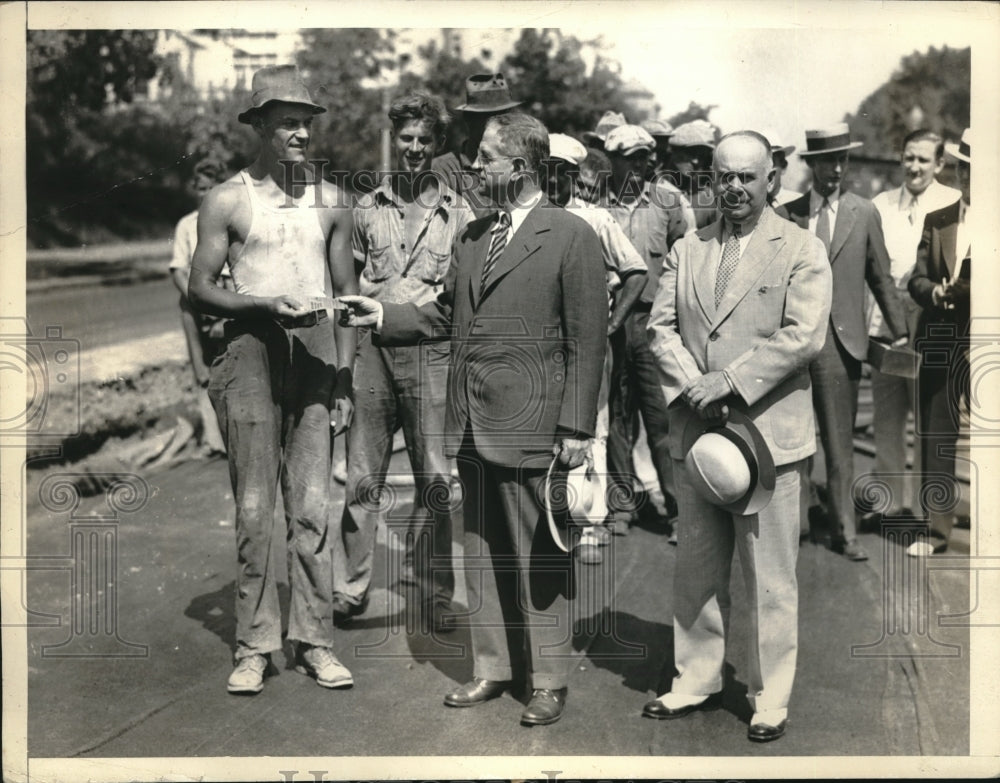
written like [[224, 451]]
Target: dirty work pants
[[271, 389]]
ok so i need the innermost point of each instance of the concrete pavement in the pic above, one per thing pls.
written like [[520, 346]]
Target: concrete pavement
[[876, 675]]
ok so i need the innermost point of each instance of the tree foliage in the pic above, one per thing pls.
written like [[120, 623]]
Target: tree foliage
[[548, 72], [930, 90]]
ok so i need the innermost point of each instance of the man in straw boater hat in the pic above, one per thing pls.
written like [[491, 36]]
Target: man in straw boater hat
[[626, 277], [486, 95], [740, 311], [851, 231], [282, 386], [941, 285]]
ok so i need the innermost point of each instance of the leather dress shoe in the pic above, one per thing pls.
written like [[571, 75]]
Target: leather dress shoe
[[658, 710], [765, 732], [474, 692], [545, 707]]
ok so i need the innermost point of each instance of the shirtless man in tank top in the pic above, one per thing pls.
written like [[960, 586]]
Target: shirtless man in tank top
[[284, 379]]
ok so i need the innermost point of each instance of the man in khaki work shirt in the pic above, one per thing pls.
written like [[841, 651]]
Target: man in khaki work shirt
[[403, 233], [653, 217]]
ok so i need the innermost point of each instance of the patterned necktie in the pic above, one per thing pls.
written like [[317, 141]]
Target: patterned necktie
[[730, 258], [497, 245], [823, 225]]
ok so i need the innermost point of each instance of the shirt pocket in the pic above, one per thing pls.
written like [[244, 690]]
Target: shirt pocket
[[378, 265]]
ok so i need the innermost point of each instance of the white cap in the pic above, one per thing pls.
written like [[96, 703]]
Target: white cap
[[566, 148]]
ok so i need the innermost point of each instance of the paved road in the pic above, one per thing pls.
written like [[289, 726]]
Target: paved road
[[103, 315], [174, 590]]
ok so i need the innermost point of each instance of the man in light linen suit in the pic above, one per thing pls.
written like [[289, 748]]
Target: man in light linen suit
[[740, 311]]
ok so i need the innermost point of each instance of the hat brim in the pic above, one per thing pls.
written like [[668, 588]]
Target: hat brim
[[247, 116], [740, 429], [784, 150], [562, 522], [631, 150], [852, 146], [488, 109], [952, 150]]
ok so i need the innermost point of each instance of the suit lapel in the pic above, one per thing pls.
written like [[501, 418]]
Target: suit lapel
[[949, 239], [706, 267], [763, 246], [525, 242], [846, 217]]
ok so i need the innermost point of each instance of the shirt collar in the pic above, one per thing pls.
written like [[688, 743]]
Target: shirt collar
[[519, 212], [445, 195], [643, 197], [816, 201]]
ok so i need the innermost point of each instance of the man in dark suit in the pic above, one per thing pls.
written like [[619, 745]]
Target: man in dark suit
[[851, 231], [940, 285], [525, 303]]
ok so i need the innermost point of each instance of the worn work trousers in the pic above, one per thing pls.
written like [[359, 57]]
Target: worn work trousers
[[272, 389], [404, 386]]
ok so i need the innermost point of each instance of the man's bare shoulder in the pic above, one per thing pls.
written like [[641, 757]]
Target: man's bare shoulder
[[334, 195], [222, 200]]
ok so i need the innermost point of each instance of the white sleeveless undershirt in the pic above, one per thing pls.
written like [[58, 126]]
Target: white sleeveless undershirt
[[284, 252]]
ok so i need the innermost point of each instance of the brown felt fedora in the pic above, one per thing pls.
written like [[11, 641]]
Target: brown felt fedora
[[487, 92], [277, 83]]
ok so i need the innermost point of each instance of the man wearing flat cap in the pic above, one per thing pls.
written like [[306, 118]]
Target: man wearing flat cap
[[691, 147], [626, 277], [941, 285], [486, 95], [653, 216], [740, 311], [661, 160], [283, 382], [608, 122], [851, 230]]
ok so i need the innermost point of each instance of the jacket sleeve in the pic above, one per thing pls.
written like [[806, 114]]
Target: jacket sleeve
[[879, 278], [803, 327], [585, 326], [921, 286], [675, 363], [407, 324]]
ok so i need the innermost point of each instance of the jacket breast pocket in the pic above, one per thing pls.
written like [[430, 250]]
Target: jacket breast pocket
[[769, 307]]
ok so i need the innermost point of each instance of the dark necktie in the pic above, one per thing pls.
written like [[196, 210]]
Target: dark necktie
[[497, 245], [730, 258], [823, 225]]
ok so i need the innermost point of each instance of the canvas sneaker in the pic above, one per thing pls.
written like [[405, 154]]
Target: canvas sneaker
[[248, 676], [321, 663]]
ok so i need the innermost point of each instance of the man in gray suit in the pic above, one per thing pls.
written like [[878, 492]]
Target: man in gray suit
[[740, 311], [851, 230], [525, 304]]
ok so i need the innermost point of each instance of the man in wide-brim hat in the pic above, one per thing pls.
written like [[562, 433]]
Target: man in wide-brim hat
[[486, 95], [851, 231], [283, 383]]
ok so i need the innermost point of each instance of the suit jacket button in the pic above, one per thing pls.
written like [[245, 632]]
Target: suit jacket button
[[713, 336]]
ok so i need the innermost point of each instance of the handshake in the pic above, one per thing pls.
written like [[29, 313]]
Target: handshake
[[290, 313]]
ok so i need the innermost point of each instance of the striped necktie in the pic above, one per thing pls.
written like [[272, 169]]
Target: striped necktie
[[823, 224], [497, 244], [730, 258]]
